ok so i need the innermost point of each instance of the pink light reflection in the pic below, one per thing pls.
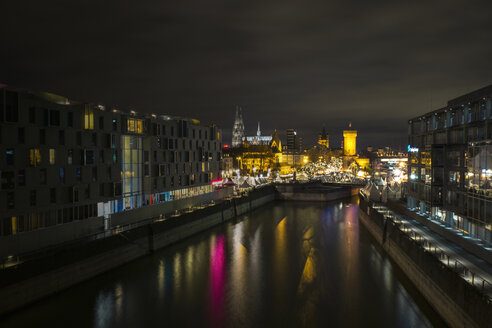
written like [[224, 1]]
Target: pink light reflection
[[217, 281]]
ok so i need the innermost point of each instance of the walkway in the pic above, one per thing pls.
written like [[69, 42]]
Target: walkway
[[471, 268]]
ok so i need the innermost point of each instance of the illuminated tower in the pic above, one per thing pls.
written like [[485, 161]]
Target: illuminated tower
[[323, 139], [349, 141], [238, 129]]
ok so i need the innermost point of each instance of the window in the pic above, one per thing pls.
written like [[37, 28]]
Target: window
[[94, 173], [54, 118], [53, 195], [61, 173], [134, 125], [115, 156], [20, 135], [101, 156], [42, 176], [70, 119], [42, 136], [79, 138], [32, 115], [78, 174], [70, 157], [10, 200], [61, 137], [7, 179], [115, 124], [101, 122], [32, 198], [46, 117], [12, 107], [89, 118], [52, 156], [21, 177], [34, 157], [9, 155]]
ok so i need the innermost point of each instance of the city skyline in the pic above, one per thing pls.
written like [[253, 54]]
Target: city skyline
[[330, 61]]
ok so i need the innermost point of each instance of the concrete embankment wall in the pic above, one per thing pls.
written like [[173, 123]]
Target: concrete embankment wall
[[459, 303], [309, 192], [65, 266]]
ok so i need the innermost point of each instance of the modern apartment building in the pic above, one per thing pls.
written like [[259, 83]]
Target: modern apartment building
[[63, 161], [450, 164]]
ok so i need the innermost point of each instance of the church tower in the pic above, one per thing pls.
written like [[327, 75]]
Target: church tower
[[349, 141], [323, 139], [238, 129]]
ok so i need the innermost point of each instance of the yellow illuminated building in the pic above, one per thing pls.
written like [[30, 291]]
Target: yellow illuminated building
[[349, 142], [364, 163]]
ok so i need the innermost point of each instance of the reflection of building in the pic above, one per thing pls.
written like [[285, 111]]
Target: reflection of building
[[450, 163], [73, 162], [238, 129], [323, 139]]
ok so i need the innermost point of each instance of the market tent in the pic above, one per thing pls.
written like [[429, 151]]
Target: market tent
[[229, 182], [245, 185], [371, 192]]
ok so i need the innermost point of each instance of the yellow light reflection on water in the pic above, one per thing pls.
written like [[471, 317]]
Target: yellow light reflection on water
[[160, 280], [118, 295], [177, 273]]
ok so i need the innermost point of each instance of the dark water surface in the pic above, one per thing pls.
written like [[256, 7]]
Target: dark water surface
[[285, 264]]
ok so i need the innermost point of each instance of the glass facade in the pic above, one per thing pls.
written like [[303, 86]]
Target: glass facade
[[450, 166], [131, 171]]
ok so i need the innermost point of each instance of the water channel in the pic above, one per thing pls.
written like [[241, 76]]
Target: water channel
[[285, 264]]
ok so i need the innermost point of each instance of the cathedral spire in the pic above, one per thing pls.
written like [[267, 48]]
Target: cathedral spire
[[238, 129], [258, 133]]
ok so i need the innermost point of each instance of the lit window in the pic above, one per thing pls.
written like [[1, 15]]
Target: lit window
[[135, 126], [34, 157], [52, 156], [70, 156], [9, 153], [89, 118], [14, 225]]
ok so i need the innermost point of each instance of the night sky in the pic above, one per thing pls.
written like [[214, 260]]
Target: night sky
[[297, 64]]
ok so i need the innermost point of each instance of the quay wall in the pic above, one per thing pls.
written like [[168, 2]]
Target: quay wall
[[466, 244], [66, 266], [458, 303], [315, 192]]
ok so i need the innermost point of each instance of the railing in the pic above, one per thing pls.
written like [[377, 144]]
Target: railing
[[451, 262], [23, 257]]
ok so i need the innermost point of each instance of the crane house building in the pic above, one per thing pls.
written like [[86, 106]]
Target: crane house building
[[69, 167]]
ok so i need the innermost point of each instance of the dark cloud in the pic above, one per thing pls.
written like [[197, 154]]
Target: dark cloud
[[288, 63]]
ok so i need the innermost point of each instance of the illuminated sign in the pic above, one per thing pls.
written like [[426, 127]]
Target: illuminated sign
[[411, 149]]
